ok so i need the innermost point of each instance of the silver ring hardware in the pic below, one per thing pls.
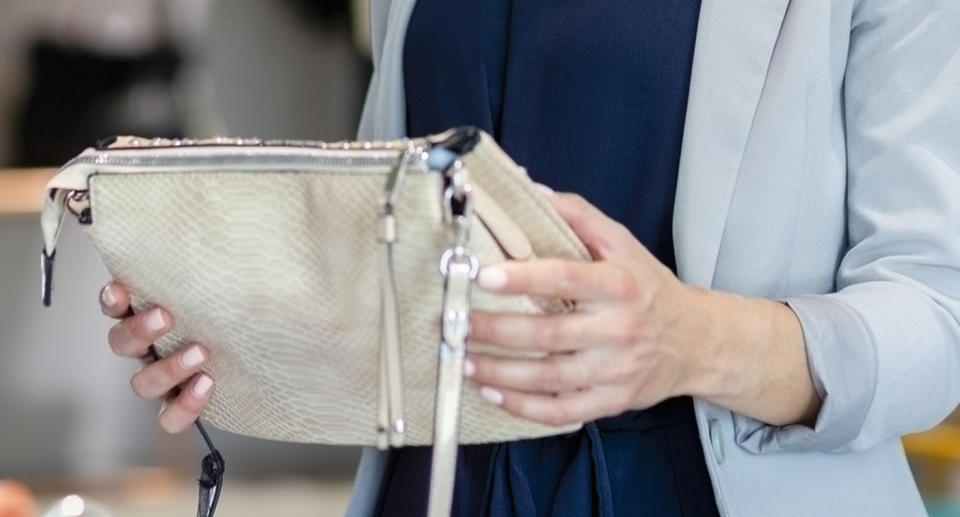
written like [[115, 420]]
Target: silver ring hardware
[[459, 254]]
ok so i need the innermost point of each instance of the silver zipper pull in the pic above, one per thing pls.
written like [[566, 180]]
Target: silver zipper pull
[[391, 425]]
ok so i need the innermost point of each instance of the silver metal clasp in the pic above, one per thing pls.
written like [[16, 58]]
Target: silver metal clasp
[[458, 211]]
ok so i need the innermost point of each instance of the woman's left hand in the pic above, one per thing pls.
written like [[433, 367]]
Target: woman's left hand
[[638, 335]]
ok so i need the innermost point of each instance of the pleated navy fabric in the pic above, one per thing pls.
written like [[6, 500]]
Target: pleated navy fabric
[[591, 98]]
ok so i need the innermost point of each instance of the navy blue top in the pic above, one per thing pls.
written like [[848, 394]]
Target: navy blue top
[[590, 96]]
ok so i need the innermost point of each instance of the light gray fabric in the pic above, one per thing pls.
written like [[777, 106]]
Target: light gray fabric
[[820, 166]]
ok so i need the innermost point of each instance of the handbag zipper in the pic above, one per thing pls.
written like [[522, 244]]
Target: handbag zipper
[[311, 154], [116, 152], [307, 160]]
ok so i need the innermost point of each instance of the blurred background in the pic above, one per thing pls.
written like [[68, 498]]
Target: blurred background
[[72, 71]]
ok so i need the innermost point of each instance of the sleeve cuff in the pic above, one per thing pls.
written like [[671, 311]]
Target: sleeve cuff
[[843, 365]]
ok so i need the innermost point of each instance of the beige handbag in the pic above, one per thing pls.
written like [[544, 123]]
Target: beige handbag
[[330, 282]]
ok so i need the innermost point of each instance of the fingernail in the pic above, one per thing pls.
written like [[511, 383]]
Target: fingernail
[[202, 386], [155, 321], [545, 189], [107, 297], [492, 277], [491, 395], [469, 368], [192, 357]]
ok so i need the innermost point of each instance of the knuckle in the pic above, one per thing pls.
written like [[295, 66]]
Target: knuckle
[[582, 373], [192, 405], [566, 277], [559, 415], [177, 416], [623, 286], [168, 420], [628, 332], [579, 203], [622, 371], [169, 370], [545, 335], [550, 377], [621, 230], [575, 206]]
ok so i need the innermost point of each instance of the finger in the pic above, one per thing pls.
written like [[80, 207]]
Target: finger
[[601, 234], [158, 378], [557, 373], [570, 408], [552, 332], [180, 412], [567, 279], [114, 300], [132, 336]]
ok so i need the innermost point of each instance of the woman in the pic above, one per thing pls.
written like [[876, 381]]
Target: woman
[[797, 162]]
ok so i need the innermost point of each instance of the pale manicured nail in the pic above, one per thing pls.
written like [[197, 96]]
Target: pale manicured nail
[[155, 321], [545, 189], [492, 277], [107, 297], [202, 386], [491, 395], [192, 357], [469, 368]]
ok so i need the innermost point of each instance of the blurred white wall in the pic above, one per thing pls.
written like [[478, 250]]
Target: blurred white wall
[[65, 404]]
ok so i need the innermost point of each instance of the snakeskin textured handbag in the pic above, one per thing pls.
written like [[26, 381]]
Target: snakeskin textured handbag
[[331, 282]]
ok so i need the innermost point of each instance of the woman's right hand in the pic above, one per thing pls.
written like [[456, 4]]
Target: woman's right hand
[[133, 337]]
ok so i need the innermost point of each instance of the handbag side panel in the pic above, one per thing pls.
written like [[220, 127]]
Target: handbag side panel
[[272, 270]]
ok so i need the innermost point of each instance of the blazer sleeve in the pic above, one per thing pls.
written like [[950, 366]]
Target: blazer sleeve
[[884, 350]]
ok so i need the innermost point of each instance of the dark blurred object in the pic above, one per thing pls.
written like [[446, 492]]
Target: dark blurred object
[[78, 96], [321, 10], [16, 500]]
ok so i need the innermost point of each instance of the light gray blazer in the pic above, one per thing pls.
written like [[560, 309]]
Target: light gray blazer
[[820, 166]]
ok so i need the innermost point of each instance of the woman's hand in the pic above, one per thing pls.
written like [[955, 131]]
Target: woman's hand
[[133, 337], [637, 337]]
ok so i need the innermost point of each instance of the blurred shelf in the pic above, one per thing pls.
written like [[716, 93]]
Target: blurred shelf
[[941, 443], [21, 190]]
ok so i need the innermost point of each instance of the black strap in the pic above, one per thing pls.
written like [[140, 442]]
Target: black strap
[[211, 476]]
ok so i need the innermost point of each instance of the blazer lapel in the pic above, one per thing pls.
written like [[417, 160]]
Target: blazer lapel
[[735, 41]]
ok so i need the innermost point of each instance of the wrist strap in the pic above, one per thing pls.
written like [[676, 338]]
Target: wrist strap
[[211, 476]]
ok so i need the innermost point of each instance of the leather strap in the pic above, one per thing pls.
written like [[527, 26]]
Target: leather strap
[[459, 267], [449, 385]]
